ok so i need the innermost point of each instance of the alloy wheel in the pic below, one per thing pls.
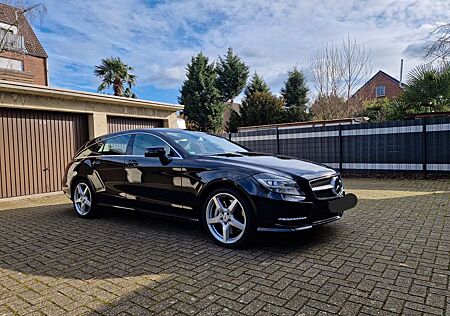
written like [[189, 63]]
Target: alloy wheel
[[225, 218], [82, 199]]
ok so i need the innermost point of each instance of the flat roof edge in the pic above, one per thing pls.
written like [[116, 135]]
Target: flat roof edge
[[20, 87]]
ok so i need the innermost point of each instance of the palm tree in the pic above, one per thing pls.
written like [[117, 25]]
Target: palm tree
[[129, 94], [114, 73], [427, 89]]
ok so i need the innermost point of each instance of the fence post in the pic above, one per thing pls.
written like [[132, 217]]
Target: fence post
[[278, 141], [229, 135], [424, 144], [340, 148]]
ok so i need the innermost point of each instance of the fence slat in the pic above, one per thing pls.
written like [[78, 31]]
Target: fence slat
[[411, 145]]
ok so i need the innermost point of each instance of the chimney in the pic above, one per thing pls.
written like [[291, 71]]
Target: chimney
[[401, 73]]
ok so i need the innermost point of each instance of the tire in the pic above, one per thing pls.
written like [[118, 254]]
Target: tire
[[84, 199], [229, 218]]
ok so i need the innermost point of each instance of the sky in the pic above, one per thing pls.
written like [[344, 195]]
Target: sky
[[158, 38]]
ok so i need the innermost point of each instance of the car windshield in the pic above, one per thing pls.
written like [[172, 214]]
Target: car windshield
[[198, 143]]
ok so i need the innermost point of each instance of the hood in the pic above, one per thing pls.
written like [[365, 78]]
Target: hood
[[259, 162]]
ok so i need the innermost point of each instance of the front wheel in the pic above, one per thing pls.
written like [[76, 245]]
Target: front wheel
[[83, 200], [229, 218]]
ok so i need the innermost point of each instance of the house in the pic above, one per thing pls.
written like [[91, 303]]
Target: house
[[381, 85], [22, 57], [42, 127]]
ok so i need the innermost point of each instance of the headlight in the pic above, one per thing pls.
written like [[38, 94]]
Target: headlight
[[282, 185]]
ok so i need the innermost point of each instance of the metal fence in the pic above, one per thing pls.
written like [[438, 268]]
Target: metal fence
[[411, 145]]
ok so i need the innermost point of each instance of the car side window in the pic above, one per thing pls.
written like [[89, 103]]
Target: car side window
[[92, 150], [115, 145], [144, 141]]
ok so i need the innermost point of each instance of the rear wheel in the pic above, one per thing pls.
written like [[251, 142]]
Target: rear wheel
[[83, 200], [228, 218]]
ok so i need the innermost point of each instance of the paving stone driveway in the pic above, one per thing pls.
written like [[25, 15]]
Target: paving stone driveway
[[390, 255]]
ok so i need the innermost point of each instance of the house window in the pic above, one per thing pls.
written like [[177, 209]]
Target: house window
[[11, 64], [8, 27], [380, 91], [10, 39]]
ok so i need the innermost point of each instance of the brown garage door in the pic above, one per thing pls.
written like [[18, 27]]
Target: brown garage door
[[36, 146], [119, 123]]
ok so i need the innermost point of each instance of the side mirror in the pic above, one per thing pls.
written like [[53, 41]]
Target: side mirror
[[159, 152]]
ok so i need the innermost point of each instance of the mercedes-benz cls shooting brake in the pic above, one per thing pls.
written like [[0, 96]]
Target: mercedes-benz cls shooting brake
[[233, 191]]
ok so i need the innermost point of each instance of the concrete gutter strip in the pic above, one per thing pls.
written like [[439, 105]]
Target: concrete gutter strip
[[36, 200]]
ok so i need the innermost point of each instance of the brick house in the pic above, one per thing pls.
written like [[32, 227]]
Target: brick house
[[22, 57], [381, 85]]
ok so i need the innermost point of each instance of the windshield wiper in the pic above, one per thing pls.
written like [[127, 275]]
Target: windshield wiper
[[228, 154]]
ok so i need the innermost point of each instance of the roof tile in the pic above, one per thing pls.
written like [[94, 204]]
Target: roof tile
[[34, 47]]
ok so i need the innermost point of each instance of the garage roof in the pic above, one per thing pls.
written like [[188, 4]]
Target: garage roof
[[25, 88]]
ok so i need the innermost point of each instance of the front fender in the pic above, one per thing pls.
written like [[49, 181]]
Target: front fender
[[245, 185]]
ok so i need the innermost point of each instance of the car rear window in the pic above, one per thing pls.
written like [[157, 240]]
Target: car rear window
[[116, 145]]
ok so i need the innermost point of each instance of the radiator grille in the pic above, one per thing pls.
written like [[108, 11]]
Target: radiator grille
[[327, 188]]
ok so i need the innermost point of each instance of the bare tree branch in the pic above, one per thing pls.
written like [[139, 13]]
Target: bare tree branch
[[327, 70], [438, 48], [357, 64], [339, 69], [32, 10]]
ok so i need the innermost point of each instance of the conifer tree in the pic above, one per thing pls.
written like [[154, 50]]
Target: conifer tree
[[232, 75], [202, 100], [257, 84], [295, 96]]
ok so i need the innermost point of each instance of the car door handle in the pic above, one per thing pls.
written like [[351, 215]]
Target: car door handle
[[132, 162]]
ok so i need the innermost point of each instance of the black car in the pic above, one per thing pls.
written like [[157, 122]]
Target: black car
[[193, 175]]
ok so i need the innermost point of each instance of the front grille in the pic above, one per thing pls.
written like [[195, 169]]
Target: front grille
[[320, 182], [325, 188]]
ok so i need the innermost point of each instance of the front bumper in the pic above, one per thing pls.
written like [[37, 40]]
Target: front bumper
[[283, 216], [295, 229]]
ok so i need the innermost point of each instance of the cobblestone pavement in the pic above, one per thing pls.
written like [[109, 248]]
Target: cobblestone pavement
[[390, 255]]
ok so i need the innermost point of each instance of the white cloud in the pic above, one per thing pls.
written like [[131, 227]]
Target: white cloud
[[272, 36]]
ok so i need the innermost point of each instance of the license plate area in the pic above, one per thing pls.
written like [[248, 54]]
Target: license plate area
[[342, 204]]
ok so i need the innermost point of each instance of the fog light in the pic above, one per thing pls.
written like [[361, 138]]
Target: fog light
[[289, 219], [293, 198]]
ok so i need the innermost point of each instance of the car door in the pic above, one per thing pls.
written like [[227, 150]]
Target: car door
[[151, 184], [109, 168]]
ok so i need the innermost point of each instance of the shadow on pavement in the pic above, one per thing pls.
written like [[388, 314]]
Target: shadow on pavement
[[139, 264], [53, 241]]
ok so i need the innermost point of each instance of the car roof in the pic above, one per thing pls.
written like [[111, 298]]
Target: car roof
[[137, 130]]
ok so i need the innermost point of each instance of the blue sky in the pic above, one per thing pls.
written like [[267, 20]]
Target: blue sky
[[158, 38]]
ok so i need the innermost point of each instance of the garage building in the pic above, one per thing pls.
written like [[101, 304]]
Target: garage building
[[41, 128]]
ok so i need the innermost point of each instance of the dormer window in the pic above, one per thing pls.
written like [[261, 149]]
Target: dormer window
[[10, 39], [9, 28], [380, 91]]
